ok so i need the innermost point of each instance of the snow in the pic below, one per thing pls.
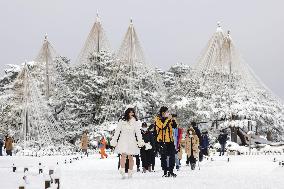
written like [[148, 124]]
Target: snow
[[182, 103], [112, 126], [255, 171], [207, 98]]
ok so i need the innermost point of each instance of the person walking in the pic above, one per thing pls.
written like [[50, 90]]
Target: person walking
[[127, 139], [102, 147], [177, 139], [85, 142], [146, 151], [204, 143], [154, 145], [198, 133], [9, 145], [164, 124], [192, 147], [222, 139], [179, 155]]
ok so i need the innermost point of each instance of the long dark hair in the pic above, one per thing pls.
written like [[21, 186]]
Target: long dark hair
[[163, 109], [126, 114]]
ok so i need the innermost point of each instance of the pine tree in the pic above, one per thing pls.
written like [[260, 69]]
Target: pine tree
[[132, 82]]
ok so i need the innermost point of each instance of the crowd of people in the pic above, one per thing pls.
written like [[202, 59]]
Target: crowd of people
[[135, 140], [162, 138]]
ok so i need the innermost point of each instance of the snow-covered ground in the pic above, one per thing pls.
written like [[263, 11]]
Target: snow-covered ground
[[241, 172]]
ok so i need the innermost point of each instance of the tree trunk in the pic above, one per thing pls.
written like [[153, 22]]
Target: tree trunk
[[242, 137], [269, 136], [234, 135]]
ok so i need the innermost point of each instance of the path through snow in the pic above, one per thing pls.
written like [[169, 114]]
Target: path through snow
[[242, 172]]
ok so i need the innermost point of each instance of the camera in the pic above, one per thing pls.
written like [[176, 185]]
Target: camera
[[174, 115]]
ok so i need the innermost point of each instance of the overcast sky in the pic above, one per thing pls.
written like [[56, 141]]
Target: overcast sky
[[170, 31]]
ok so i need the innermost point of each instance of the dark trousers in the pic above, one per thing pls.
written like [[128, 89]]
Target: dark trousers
[[137, 161], [1, 151], [191, 160], [146, 158], [200, 156], [222, 150], [204, 151], [167, 149], [9, 152], [153, 159]]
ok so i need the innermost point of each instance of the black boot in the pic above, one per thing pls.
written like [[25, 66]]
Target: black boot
[[192, 166], [171, 174], [165, 174]]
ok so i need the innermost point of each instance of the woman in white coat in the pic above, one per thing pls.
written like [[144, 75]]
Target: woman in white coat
[[127, 139]]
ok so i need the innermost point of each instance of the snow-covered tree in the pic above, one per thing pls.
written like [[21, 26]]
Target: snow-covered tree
[[224, 88], [132, 82]]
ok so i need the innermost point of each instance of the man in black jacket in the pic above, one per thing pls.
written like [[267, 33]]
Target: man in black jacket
[[222, 139]]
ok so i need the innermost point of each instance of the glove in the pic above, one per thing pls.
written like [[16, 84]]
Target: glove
[[148, 146], [113, 143], [141, 144]]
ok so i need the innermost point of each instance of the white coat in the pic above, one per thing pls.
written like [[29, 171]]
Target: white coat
[[124, 139]]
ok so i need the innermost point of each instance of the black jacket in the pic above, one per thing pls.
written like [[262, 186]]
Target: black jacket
[[148, 136], [222, 138]]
